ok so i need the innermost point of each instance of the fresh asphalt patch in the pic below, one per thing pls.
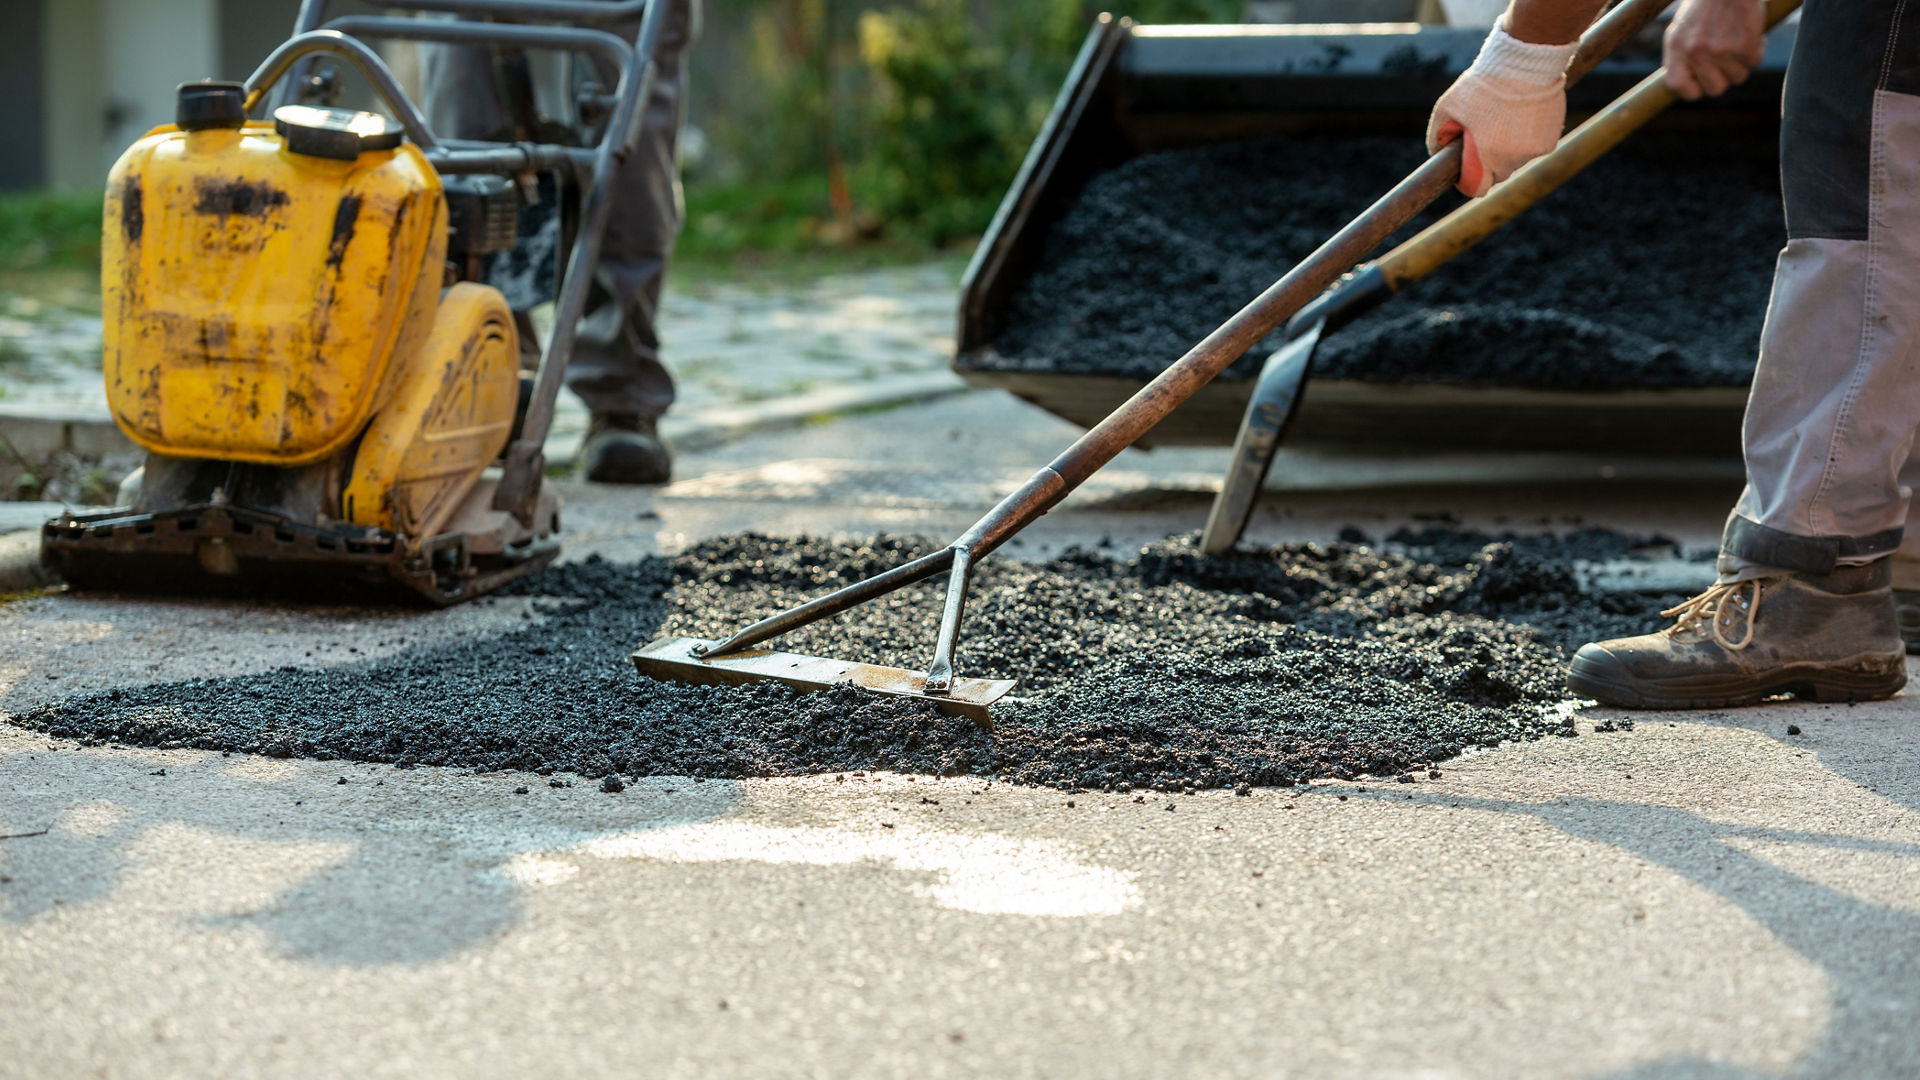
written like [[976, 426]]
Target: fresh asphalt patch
[[1165, 671]]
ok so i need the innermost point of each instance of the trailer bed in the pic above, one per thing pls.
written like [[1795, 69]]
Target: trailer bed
[[1136, 90]]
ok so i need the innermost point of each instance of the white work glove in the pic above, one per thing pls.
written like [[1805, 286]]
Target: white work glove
[[1510, 106]]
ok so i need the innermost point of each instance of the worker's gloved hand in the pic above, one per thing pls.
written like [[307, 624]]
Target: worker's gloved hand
[[1510, 106], [1714, 44]]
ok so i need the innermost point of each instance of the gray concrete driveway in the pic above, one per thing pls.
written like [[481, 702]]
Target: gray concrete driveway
[[1700, 896]]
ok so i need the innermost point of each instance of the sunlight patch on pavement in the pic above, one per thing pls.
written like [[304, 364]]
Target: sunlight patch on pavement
[[206, 872], [984, 874], [538, 871], [92, 820], [35, 644], [893, 484], [263, 770]]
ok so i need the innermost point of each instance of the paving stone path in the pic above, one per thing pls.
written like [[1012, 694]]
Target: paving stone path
[[732, 346]]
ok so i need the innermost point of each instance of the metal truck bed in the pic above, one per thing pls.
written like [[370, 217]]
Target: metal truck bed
[[1134, 90]]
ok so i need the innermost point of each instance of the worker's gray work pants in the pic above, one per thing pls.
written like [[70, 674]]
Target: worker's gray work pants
[[1836, 398], [616, 366]]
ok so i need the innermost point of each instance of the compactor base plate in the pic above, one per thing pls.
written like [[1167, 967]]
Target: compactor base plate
[[222, 550]]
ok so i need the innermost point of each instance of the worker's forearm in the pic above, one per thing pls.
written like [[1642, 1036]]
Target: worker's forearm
[[1551, 22]]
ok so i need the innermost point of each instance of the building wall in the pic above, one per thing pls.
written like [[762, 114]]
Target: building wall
[[111, 69], [72, 99], [24, 159], [90, 76], [150, 47], [106, 72]]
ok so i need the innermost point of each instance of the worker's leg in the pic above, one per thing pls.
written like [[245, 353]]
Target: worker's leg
[[616, 368], [616, 365], [1836, 396], [1906, 564], [1804, 601], [462, 99]]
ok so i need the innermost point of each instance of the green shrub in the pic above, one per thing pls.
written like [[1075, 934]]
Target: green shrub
[[856, 120], [40, 230], [958, 96], [777, 216], [1182, 11], [952, 116]]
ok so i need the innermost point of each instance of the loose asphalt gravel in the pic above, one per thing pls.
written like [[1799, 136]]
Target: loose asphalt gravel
[[1165, 671], [1650, 270]]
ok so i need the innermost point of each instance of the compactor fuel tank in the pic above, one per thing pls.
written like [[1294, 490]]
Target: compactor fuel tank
[[255, 297]]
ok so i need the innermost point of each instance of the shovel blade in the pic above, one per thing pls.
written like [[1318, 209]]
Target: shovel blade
[[673, 660], [1275, 401]]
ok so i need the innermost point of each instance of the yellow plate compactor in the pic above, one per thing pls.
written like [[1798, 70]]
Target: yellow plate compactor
[[297, 329]]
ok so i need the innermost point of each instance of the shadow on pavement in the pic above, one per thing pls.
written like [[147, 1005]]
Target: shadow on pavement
[[1876, 746], [1870, 952], [412, 885]]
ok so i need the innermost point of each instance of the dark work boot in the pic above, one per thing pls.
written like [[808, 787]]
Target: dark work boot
[[1827, 637], [621, 448]]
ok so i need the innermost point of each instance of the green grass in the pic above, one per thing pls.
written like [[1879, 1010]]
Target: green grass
[[781, 230], [773, 217], [788, 268], [771, 230], [43, 230], [75, 289]]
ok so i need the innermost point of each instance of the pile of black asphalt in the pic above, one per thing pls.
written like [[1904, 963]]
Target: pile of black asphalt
[[1651, 269], [1163, 671]]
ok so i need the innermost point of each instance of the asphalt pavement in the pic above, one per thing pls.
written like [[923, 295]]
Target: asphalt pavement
[[1703, 895]]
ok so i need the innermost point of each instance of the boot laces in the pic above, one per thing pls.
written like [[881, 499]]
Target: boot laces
[[1707, 608]]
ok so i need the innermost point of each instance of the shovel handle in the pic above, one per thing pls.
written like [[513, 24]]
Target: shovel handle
[[1454, 234]]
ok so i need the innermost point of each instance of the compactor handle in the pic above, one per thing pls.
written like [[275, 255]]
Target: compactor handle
[[560, 11]]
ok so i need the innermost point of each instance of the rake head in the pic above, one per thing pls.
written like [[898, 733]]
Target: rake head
[[680, 660]]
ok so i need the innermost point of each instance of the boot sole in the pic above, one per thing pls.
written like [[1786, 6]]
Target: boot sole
[[1862, 678]]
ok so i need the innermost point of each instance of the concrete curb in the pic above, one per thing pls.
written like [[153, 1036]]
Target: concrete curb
[[39, 435], [20, 568], [26, 516], [702, 429], [711, 427]]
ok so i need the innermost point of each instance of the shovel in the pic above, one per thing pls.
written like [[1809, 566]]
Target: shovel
[[735, 660], [1282, 383]]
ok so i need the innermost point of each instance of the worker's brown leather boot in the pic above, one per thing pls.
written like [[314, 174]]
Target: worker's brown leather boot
[[1828, 637], [625, 449]]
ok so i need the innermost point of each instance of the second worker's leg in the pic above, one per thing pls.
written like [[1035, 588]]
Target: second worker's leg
[[616, 368], [462, 95], [1804, 603], [1906, 567]]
